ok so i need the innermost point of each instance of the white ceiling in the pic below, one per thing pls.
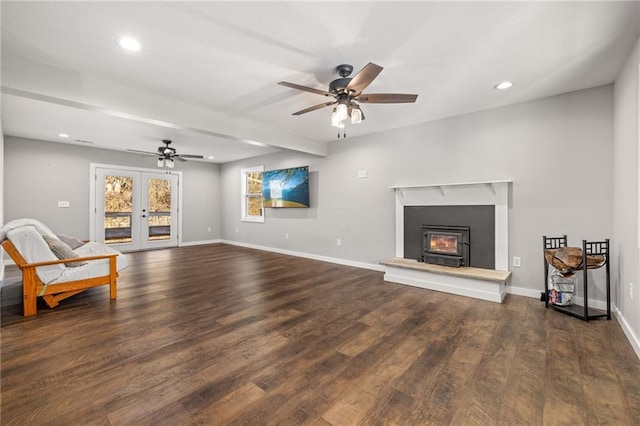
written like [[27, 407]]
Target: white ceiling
[[208, 72]]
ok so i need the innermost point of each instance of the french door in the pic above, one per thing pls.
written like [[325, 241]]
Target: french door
[[136, 210]]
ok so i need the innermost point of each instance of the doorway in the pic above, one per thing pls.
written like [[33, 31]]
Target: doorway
[[135, 209]]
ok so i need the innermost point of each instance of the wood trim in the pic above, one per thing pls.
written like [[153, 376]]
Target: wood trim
[[70, 260], [465, 271], [13, 253]]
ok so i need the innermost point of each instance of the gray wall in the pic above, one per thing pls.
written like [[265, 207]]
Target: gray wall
[[557, 151], [625, 189], [39, 173]]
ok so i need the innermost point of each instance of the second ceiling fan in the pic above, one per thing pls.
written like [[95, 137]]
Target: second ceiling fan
[[166, 154], [346, 94]]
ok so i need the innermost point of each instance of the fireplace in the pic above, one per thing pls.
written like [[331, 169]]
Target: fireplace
[[478, 218], [445, 245], [481, 206]]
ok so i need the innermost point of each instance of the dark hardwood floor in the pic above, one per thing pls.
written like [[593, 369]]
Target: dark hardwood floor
[[219, 334]]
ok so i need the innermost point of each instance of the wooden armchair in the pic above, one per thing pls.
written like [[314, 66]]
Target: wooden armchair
[[45, 275]]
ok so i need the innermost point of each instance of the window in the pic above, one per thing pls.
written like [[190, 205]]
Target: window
[[252, 210]]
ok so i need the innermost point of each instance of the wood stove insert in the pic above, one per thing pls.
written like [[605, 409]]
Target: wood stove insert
[[445, 245]]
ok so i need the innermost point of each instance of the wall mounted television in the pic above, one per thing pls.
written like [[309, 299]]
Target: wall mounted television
[[286, 187]]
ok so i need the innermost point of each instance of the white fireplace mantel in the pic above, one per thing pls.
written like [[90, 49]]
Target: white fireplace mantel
[[491, 192], [443, 187]]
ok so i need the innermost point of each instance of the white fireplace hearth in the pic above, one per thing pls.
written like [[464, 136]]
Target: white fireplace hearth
[[479, 283]]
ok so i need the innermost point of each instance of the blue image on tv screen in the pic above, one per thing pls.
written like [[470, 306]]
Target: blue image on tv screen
[[286, 187]]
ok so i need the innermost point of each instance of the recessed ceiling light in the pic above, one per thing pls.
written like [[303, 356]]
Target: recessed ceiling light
[[503, 85], [211, 157], [129, 43], [63, 135]]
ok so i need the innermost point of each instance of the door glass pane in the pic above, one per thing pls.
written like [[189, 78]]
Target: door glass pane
[[118, 202], [159, 209]]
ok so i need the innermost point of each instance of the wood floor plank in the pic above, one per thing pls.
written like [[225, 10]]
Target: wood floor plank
[[230, 405], [451, 384], [487, 389], [525, 384], [220, 334], [621, 357], [352, 407], [564, 393], [390, 409]]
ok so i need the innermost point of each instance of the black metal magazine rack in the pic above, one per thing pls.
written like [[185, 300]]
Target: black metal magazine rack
[[589, 248]]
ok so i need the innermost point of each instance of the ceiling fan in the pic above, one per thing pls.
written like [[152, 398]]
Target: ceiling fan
[[167, 155], [347, 94]]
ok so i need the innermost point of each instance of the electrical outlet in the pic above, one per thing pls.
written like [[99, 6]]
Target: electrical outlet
[[516, 261], [286, 236], [338, 242], [209, 229], [237, 231], [63, 204], [362, 173], [631, 291]]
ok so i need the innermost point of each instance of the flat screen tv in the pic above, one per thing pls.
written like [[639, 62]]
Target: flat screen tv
[[286, 187]]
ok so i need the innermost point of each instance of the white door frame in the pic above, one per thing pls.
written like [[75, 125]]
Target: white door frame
[[92, 193]]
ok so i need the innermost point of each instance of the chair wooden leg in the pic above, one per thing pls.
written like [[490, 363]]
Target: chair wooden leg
[[50, 300], [113, 273], [29, 302], [54, 300]]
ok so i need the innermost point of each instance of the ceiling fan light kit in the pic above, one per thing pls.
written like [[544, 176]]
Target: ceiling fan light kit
[[347, 92], [334, 118], [168, 163], [356, 115], [341, 112]]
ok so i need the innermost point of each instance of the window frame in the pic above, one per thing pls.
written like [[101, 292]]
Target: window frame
[[244, 196]]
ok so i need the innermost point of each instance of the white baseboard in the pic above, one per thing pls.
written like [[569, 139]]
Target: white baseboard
[[521, 291], [631, 336], [198, 243], [593, 303], [346, 262]]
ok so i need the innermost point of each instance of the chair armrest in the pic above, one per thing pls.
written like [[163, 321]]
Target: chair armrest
[[73, 259]]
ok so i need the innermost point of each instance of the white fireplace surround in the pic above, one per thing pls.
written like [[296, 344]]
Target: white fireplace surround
[[471, 282], [494, 193]]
